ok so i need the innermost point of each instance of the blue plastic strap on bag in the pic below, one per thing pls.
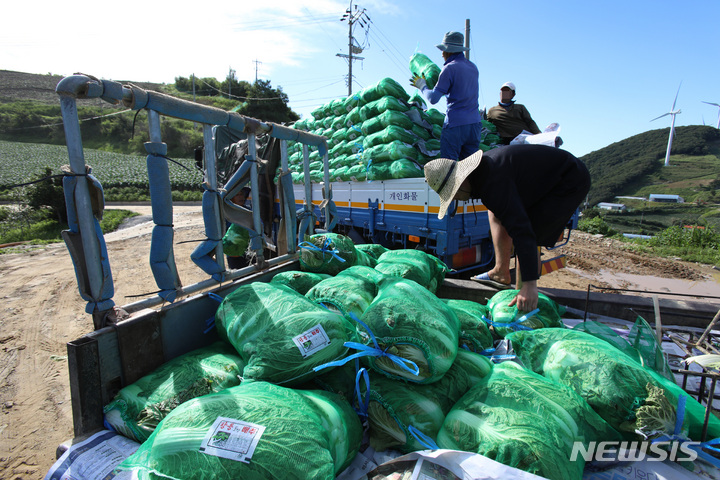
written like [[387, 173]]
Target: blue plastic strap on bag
[[506, 356], [325, 249], [210, 322], [423, 439], [367, 351], [678, 437], [516, 325], [680, 417], [363, 406]]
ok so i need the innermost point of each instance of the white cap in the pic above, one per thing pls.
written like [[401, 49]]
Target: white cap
[[510, 85]]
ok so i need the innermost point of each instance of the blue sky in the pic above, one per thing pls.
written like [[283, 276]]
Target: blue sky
[[602, 70]]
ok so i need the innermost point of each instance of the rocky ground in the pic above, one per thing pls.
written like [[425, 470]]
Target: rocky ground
[[42, 311]]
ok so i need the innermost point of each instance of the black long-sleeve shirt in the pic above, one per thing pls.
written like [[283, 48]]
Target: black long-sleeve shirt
[[533, 190]]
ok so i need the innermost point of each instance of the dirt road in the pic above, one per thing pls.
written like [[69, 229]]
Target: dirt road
[[42, 311]]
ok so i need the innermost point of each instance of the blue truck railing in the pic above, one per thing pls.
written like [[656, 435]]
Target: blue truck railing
[[84, 196]]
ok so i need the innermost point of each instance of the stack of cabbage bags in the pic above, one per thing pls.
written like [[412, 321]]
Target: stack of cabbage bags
[[321, 354], [331, 253], [375, 134]]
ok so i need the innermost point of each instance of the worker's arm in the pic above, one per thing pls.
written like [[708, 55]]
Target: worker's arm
[[529, 122]]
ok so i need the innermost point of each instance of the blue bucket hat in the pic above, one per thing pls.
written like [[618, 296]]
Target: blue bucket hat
[[453, 42]]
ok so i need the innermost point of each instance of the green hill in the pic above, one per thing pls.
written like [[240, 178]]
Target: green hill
[[30, 112], [636, 166]]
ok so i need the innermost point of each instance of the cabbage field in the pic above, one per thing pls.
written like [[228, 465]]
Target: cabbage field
[[24, 162]]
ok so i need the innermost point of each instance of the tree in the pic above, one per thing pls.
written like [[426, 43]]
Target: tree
[[268, 104], [258, 100], [48, 194]]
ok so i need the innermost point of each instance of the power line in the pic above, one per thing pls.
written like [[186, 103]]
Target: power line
[[394, 60], [400, 54], [316, 89], [332, 39], [61, 123], [272, 24]]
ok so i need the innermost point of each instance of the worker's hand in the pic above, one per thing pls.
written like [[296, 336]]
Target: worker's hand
[[558, 142], [527, 298], [418, 82]]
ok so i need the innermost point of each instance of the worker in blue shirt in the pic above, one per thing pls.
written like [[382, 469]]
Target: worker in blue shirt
[[459, 81]]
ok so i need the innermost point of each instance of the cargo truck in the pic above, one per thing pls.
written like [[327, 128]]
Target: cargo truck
[[132, 340]]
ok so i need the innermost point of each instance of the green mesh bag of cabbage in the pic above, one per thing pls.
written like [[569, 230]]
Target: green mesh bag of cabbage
[[421, 65], [349, 292], [412, 334], [331, 253], [505, 319], [641, 344], [137, 408], [523, 420], [280, 334], [475, 334], [402, 414], [635, 400], [416, 265], [299, 281], [372, 249], [254, 431]]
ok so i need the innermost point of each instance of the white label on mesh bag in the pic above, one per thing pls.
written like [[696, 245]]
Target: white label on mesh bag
[[232, 439], [312, 341]]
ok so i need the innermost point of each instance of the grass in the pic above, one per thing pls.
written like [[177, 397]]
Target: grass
[[650, 218], [38, 229], [705, 256], [687, 176]]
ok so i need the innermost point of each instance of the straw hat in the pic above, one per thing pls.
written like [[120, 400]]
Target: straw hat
[[445, 177]]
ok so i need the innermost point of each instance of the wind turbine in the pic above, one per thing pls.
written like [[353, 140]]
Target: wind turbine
[[718, 122], [672, 113]]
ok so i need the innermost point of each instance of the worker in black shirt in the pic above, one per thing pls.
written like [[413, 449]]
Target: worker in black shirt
[[531, 191]]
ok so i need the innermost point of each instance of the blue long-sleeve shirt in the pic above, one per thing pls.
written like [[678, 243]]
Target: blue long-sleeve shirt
[[459, 81]]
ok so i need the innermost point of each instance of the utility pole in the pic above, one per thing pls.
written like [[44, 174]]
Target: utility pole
[[256, 62], [193, 84], [231, 76], [467, 38], [353, 18]]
